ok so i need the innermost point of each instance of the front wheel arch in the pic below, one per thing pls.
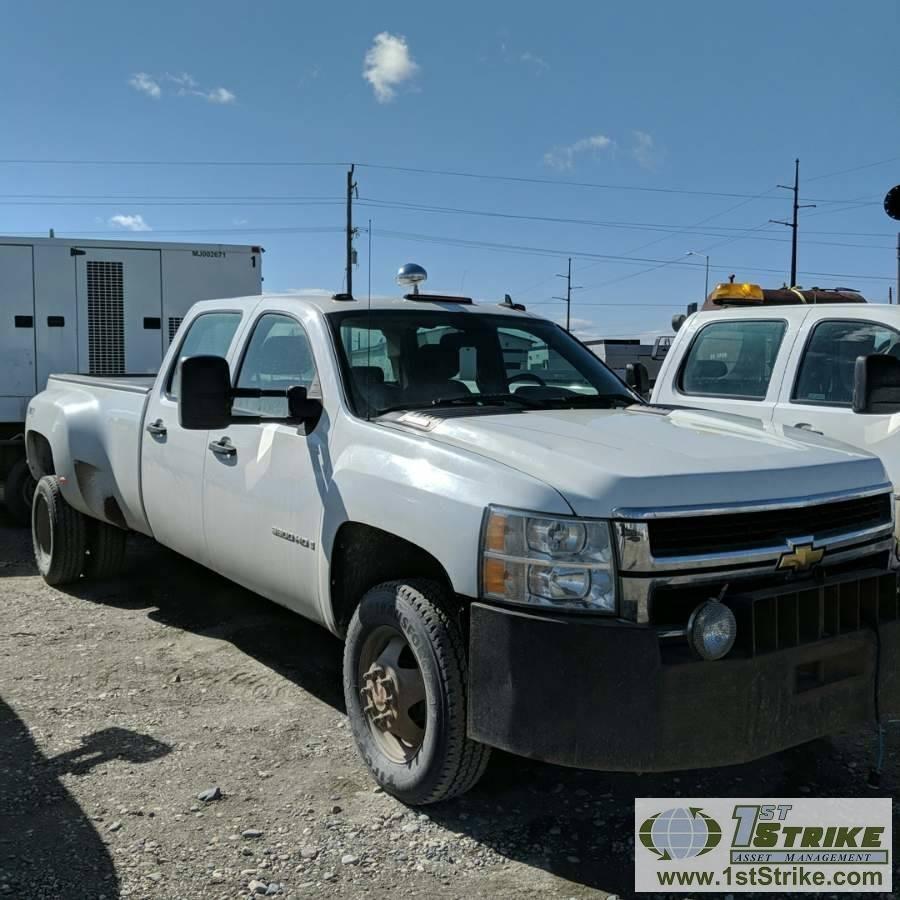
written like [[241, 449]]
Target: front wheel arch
[[363, 556]]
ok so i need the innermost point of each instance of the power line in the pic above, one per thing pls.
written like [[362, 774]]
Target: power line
[[173, 162], [583, 254], [871, 165], [407, 169], [518, 179]]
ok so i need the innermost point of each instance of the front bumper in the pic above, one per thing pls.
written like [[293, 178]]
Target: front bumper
[[598, 694]]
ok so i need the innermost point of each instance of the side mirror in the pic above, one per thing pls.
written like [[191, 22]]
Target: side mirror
[[302, 408], [876, 384], [637, 378], [204, 403]]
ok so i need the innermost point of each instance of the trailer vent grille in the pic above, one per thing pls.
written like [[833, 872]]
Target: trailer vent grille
[[106, 318], [174, 325]]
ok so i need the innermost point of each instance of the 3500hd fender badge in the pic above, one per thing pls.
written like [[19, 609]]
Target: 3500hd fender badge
[[293, 538]]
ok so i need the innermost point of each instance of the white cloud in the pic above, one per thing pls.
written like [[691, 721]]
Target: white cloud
[[184, 81], [184, 86], [129, 223], [539, 63], [644, 150], [144, 83], [388, 64], [219, 95], [563, 157]]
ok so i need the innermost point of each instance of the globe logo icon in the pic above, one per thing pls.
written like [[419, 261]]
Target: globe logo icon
[[680, 833]]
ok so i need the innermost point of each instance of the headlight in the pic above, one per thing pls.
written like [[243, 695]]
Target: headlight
[[547, 561]]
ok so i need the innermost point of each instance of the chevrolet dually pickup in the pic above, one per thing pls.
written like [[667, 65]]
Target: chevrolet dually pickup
[[517, 551]]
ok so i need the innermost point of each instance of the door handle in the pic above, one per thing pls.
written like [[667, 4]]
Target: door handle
[[806, 427], [157, 428], [223, 447]]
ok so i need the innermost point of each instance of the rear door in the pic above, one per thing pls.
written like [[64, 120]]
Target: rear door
[[17, 369], [119, 311], [172, 459], [819, 392]]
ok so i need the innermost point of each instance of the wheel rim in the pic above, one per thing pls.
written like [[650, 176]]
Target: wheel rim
[[43, 533], [393, 694]]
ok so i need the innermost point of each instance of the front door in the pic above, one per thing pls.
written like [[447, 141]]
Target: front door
[[262, 501], [172, 459], [119, 311], [733, 366]]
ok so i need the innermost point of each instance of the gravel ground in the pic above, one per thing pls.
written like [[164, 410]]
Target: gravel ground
[[121, 702]]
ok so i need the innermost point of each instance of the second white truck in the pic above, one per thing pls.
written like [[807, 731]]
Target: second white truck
[[832, 369], [517, 551]]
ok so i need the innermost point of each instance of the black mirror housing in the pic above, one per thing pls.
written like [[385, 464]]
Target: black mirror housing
[[876, 384], [302, 408], [204, 403], [637, 378]]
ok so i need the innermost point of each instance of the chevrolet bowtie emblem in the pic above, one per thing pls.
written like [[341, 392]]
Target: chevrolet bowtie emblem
[[801, 558]]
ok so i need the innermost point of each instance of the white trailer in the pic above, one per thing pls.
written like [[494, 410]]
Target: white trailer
[[97, 308]]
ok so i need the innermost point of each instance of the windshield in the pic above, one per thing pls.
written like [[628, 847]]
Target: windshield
[[426, 358]]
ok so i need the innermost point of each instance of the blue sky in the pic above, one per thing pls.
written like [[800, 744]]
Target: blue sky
[[688, 114]]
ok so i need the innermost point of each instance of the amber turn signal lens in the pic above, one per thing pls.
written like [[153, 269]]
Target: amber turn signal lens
[[495, 538], [495, 577]]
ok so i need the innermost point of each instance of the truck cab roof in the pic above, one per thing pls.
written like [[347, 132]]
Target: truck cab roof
[[874, 311], [331, 303]]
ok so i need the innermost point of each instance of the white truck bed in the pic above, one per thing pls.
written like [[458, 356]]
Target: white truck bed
[[138, 384]]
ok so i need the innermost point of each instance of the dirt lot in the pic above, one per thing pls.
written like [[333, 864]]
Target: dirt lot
[[120, 702]]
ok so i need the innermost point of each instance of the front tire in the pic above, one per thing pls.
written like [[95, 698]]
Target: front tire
[[18, 492], [405, 686], [58, 534]]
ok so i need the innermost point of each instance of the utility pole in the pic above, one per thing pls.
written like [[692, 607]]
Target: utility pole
[[706, 255], [568, 298], [351, 188], [793, 224]]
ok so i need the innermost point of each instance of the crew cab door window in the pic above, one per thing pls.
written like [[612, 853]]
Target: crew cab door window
[[209, 334], [732, 359], [277, 357], [825, 373]]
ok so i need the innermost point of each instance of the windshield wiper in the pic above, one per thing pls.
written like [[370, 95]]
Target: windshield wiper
[[602, 401], [464, 400]]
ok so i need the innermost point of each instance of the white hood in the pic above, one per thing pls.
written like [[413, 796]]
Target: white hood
[[606, 460]]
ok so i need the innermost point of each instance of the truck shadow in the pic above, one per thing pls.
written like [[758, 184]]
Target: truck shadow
[[48, 845], [184, 595]]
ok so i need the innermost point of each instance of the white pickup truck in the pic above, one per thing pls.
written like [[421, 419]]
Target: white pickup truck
[[518, 552], [795, 366]]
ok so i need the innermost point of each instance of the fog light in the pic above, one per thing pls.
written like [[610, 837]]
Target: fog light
[[711, 630]]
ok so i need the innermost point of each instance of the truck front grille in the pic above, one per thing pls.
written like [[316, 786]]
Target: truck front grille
[[698, 535], [790, 615]]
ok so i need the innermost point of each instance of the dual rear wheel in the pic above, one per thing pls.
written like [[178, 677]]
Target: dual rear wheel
[[68, 544]]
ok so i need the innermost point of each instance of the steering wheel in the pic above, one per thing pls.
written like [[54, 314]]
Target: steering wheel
[[527, 376]]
